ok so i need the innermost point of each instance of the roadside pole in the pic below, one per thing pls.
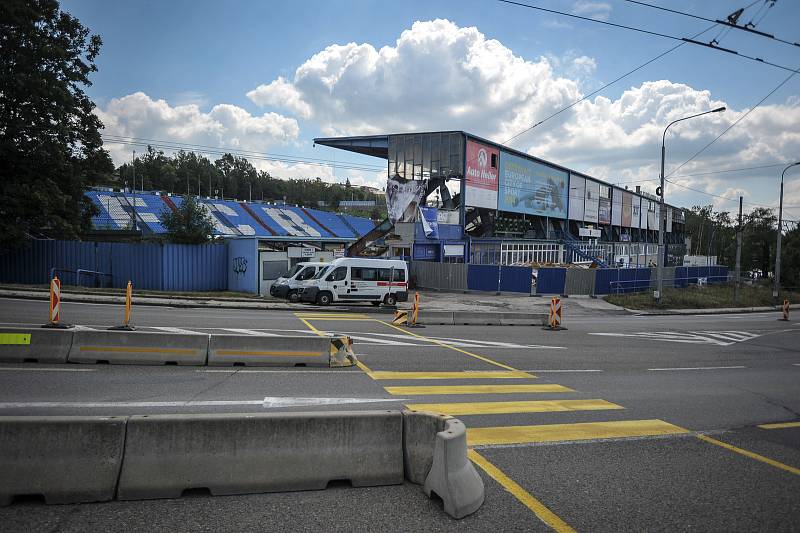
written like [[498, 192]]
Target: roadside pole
[[738, 255]]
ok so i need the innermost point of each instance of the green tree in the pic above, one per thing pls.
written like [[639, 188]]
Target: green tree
[[790, 259], [189, 224], [50, 146]]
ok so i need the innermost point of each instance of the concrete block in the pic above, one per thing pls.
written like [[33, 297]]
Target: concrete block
[[523, 319], [477, 319], [453, 477], [139, 348], [419, 440], [250, 350], [263, 452], [39, 345], [436, 317], [66, 459]]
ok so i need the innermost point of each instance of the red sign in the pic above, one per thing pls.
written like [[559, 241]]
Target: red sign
[[482, 163]]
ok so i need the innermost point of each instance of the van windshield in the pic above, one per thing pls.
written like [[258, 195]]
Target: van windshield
[[292, 271], [322, 272]]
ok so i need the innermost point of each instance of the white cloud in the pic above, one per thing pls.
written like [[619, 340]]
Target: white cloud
[[280, 93], [593, 10], [225, 125]]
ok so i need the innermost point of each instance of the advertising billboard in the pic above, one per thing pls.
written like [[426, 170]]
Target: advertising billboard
[[577, 190], [616, 207], [481, 167], [532, 188], [627, 209], [591, 206]]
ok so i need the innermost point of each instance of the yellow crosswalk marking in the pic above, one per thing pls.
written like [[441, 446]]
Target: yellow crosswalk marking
[[495, 408], [475, 389], [499, 374], [782, 425], [567, 432]]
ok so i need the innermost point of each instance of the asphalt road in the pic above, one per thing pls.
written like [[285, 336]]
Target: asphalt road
[[619, 423]]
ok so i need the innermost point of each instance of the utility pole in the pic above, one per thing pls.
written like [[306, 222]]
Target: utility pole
[[134, 191], [738, 255]]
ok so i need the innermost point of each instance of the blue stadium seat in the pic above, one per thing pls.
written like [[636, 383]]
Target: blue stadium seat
[[360, 224], [333, 223]]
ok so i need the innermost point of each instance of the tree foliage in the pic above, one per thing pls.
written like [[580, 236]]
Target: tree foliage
[[188, 224], [232, 177], [50, 146]]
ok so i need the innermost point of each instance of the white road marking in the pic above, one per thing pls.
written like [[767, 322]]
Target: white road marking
[[78, 327], [176, 330], [697, 368], [276, 401], [35, 369], [239, 370], [254, 332], [564, 370], [719, 338]]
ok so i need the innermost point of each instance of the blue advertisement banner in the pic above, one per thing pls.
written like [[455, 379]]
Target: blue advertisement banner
[[532, 188], [430, 223]]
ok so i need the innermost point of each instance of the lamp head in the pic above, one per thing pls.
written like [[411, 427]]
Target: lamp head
[[718, 110]]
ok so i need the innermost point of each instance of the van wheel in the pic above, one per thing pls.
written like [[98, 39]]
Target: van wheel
[[376, 304], [293, 297], [390, 300], [324, 298]]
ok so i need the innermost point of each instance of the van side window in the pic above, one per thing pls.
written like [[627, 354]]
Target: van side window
[[384, 274], [364, 274], [399, 275], [338, 275]]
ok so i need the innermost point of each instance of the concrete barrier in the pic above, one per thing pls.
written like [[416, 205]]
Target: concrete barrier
[[246, 453], [35, 345], [477, 319], [436, 317], [419, 440], [453, 477], [250, 350], [66, 459], [140, 348], [523, 319]]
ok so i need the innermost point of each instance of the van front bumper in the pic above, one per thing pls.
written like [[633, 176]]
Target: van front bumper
[[279, 291]]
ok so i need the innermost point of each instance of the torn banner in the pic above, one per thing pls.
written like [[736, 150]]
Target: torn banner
[[402, 198]]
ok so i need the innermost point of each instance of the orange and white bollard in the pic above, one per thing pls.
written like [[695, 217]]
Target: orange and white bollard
[[554, 319], [54, 320], [126, 325], [785, 309]]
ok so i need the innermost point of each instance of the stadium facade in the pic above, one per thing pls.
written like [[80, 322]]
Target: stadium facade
[[496, 205]]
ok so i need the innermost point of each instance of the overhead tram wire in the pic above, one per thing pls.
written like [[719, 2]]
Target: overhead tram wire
[[576, 102], [649, 32], [781, 84], [723, 22]]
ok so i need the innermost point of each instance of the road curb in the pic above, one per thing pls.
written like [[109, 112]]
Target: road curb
[[709, 311]]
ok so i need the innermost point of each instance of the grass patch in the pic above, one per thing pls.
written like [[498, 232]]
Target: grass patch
[[704, 297]]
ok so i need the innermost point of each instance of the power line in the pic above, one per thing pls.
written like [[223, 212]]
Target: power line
[[781, 84], [648, 32], [727, 24]]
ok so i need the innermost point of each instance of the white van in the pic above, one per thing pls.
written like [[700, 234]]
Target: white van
[[353, 279], [288, 285]]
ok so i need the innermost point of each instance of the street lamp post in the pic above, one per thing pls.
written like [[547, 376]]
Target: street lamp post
[[662, 221], [778, 249]]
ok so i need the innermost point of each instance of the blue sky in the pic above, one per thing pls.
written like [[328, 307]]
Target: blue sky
[[516, 67]]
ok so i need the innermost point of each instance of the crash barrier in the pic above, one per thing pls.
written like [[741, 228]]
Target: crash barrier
[[45, 345], [452, 476], [84, 459], [65, 459], [138, 348], [250, 350], [34, 345], [461, 318]]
